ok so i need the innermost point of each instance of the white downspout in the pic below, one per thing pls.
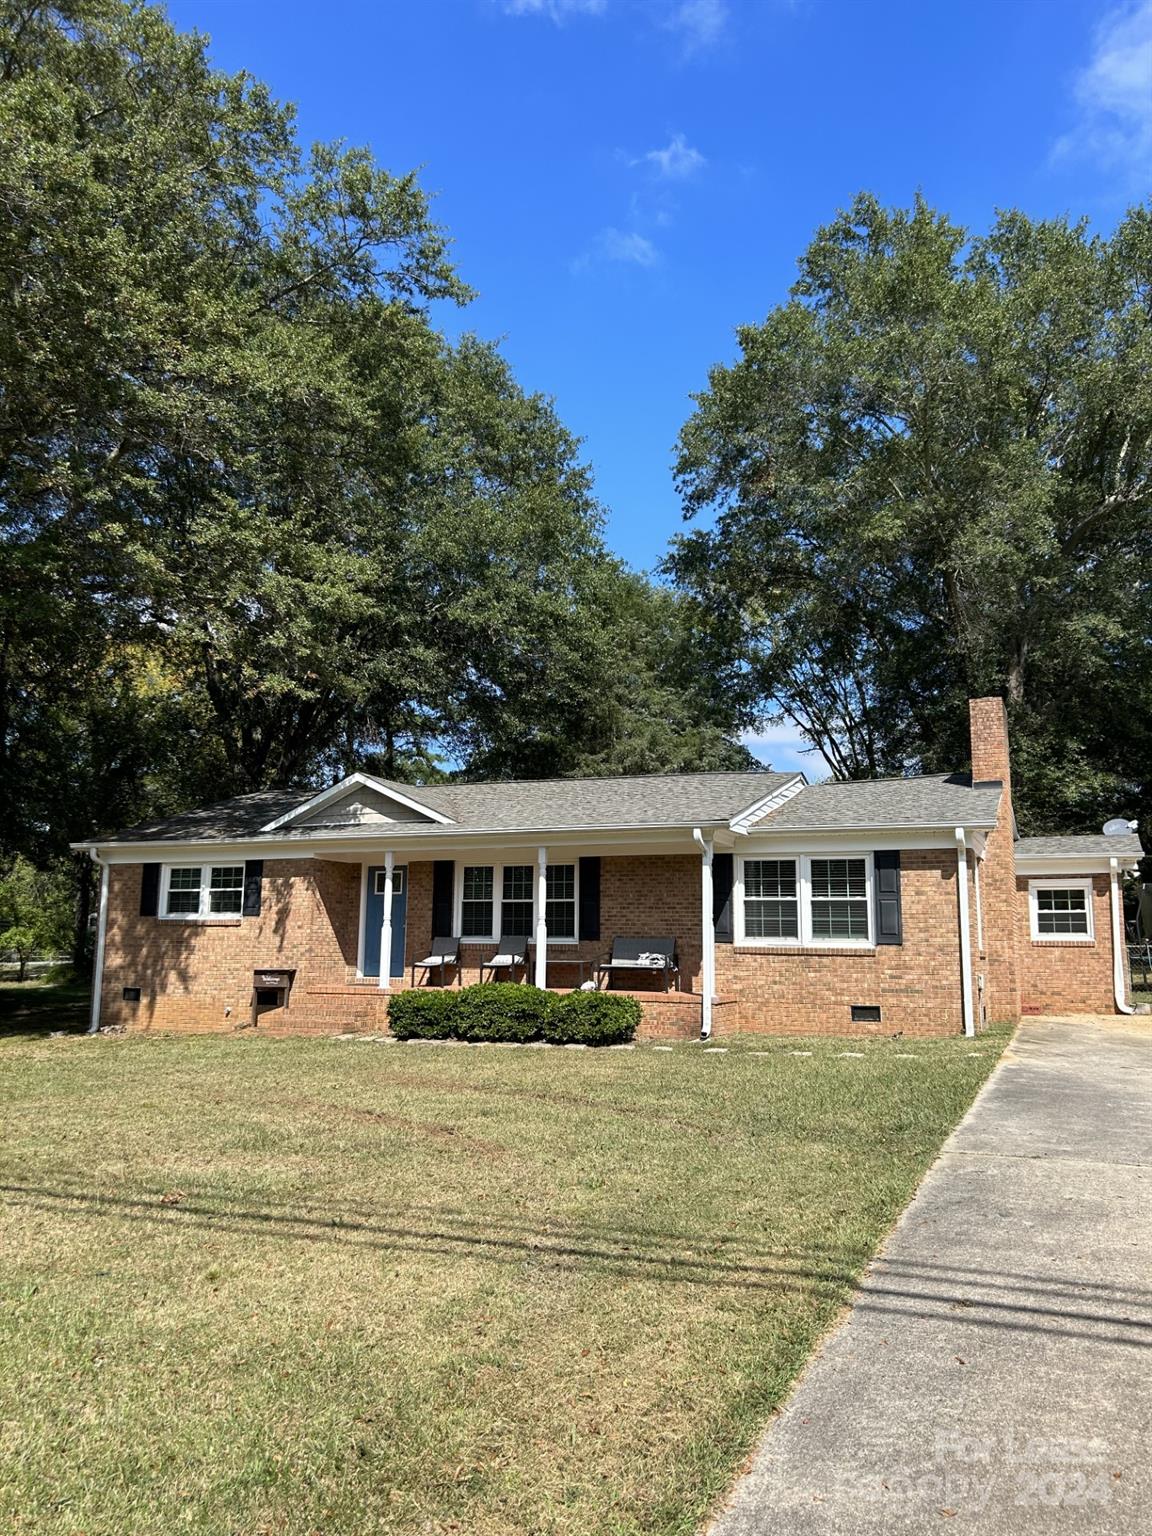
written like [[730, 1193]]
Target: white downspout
[[965, 934], [1119, 948], [707, 935], [101, 935]]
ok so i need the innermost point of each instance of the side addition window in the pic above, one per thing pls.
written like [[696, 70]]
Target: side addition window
[[1061, 911]]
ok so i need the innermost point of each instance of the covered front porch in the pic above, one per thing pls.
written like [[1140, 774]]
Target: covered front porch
[[564, 906]]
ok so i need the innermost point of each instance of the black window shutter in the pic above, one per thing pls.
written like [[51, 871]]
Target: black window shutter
[[589, 918], [253, 887], [722, 896], [889, 921], [150, 890], [443, 880]]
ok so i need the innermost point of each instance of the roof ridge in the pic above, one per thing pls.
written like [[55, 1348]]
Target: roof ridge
[[604, 778]]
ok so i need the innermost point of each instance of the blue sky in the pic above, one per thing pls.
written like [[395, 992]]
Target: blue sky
[[627, 181]]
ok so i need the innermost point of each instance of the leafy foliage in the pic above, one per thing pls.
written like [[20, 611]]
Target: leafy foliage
[[501, 1011], [592, 1018], [261, 522], [931, 474], [420, 1013], [35, 912]]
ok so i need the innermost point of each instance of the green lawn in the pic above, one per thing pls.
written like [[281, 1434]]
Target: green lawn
[[256, 1286]]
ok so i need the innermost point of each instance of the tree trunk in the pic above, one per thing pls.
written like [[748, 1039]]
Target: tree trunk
[[81, 958]]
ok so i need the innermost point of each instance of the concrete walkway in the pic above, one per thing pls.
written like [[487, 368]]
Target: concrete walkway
[[995, 1372]]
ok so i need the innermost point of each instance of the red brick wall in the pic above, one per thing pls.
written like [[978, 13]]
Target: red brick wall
[[811, 991], [988, 724], [1071, 975], [197, 975]]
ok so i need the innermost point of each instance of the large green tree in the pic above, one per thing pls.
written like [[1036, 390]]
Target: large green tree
[[260, 521], [929, 475]]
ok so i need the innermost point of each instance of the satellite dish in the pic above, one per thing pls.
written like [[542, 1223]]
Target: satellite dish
[[1118, 827]]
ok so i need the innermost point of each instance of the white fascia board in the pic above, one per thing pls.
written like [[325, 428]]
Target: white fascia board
[[353, 781], [1084, 864], [847, 840], [744, 819], [460, 841]]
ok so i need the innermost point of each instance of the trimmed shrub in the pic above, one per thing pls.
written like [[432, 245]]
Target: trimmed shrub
[[420, 1013], [592, 1018], [501, 1011]]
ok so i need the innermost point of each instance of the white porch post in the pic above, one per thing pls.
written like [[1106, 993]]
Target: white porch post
[[101, 939], [541, 976], [386, 925], [707, 936], [965, 934]]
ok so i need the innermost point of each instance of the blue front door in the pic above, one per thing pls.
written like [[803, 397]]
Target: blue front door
[[374, 919]]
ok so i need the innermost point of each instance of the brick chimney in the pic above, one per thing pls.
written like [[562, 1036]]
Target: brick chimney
[[988, 727], [999, 962]]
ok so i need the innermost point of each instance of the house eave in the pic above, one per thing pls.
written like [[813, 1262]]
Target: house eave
[[1084, 864]]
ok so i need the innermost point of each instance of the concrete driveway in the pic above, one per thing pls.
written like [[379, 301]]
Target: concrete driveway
[[995, 1372]]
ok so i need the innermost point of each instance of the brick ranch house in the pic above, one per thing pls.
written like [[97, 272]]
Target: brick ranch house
[[897, 904]]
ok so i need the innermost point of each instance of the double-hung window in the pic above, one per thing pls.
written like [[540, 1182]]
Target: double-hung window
[[476, 901], [771, 899], [203, 890], [839, 898], [805, 900], [1061, 909], [560, 907], [517, 904], [499, 901]]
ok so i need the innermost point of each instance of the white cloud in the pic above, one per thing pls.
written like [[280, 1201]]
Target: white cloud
[[700, 22], [622, 245], [1114, 94], [675, 161], [556, 10]]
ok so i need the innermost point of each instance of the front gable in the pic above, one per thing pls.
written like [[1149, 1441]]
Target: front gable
[[357, 801]]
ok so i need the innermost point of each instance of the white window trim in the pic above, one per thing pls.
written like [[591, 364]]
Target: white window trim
[[203, 915], [497, 887], [1069, 883], [806, 939]]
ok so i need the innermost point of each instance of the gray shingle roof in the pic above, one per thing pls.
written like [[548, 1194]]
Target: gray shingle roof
[[648, 800], [1124, 846], [936, 801], [242, 816], [528, 805]]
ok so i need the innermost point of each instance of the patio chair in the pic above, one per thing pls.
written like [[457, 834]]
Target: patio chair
[[656, 956], [511, 955], [444, 954]]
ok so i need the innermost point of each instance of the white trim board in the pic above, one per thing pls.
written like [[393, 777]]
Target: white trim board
[[743, 820]]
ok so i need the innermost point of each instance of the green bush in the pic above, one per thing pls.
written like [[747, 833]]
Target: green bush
[[592, 1018], [501, 1011], [423, 1013]]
